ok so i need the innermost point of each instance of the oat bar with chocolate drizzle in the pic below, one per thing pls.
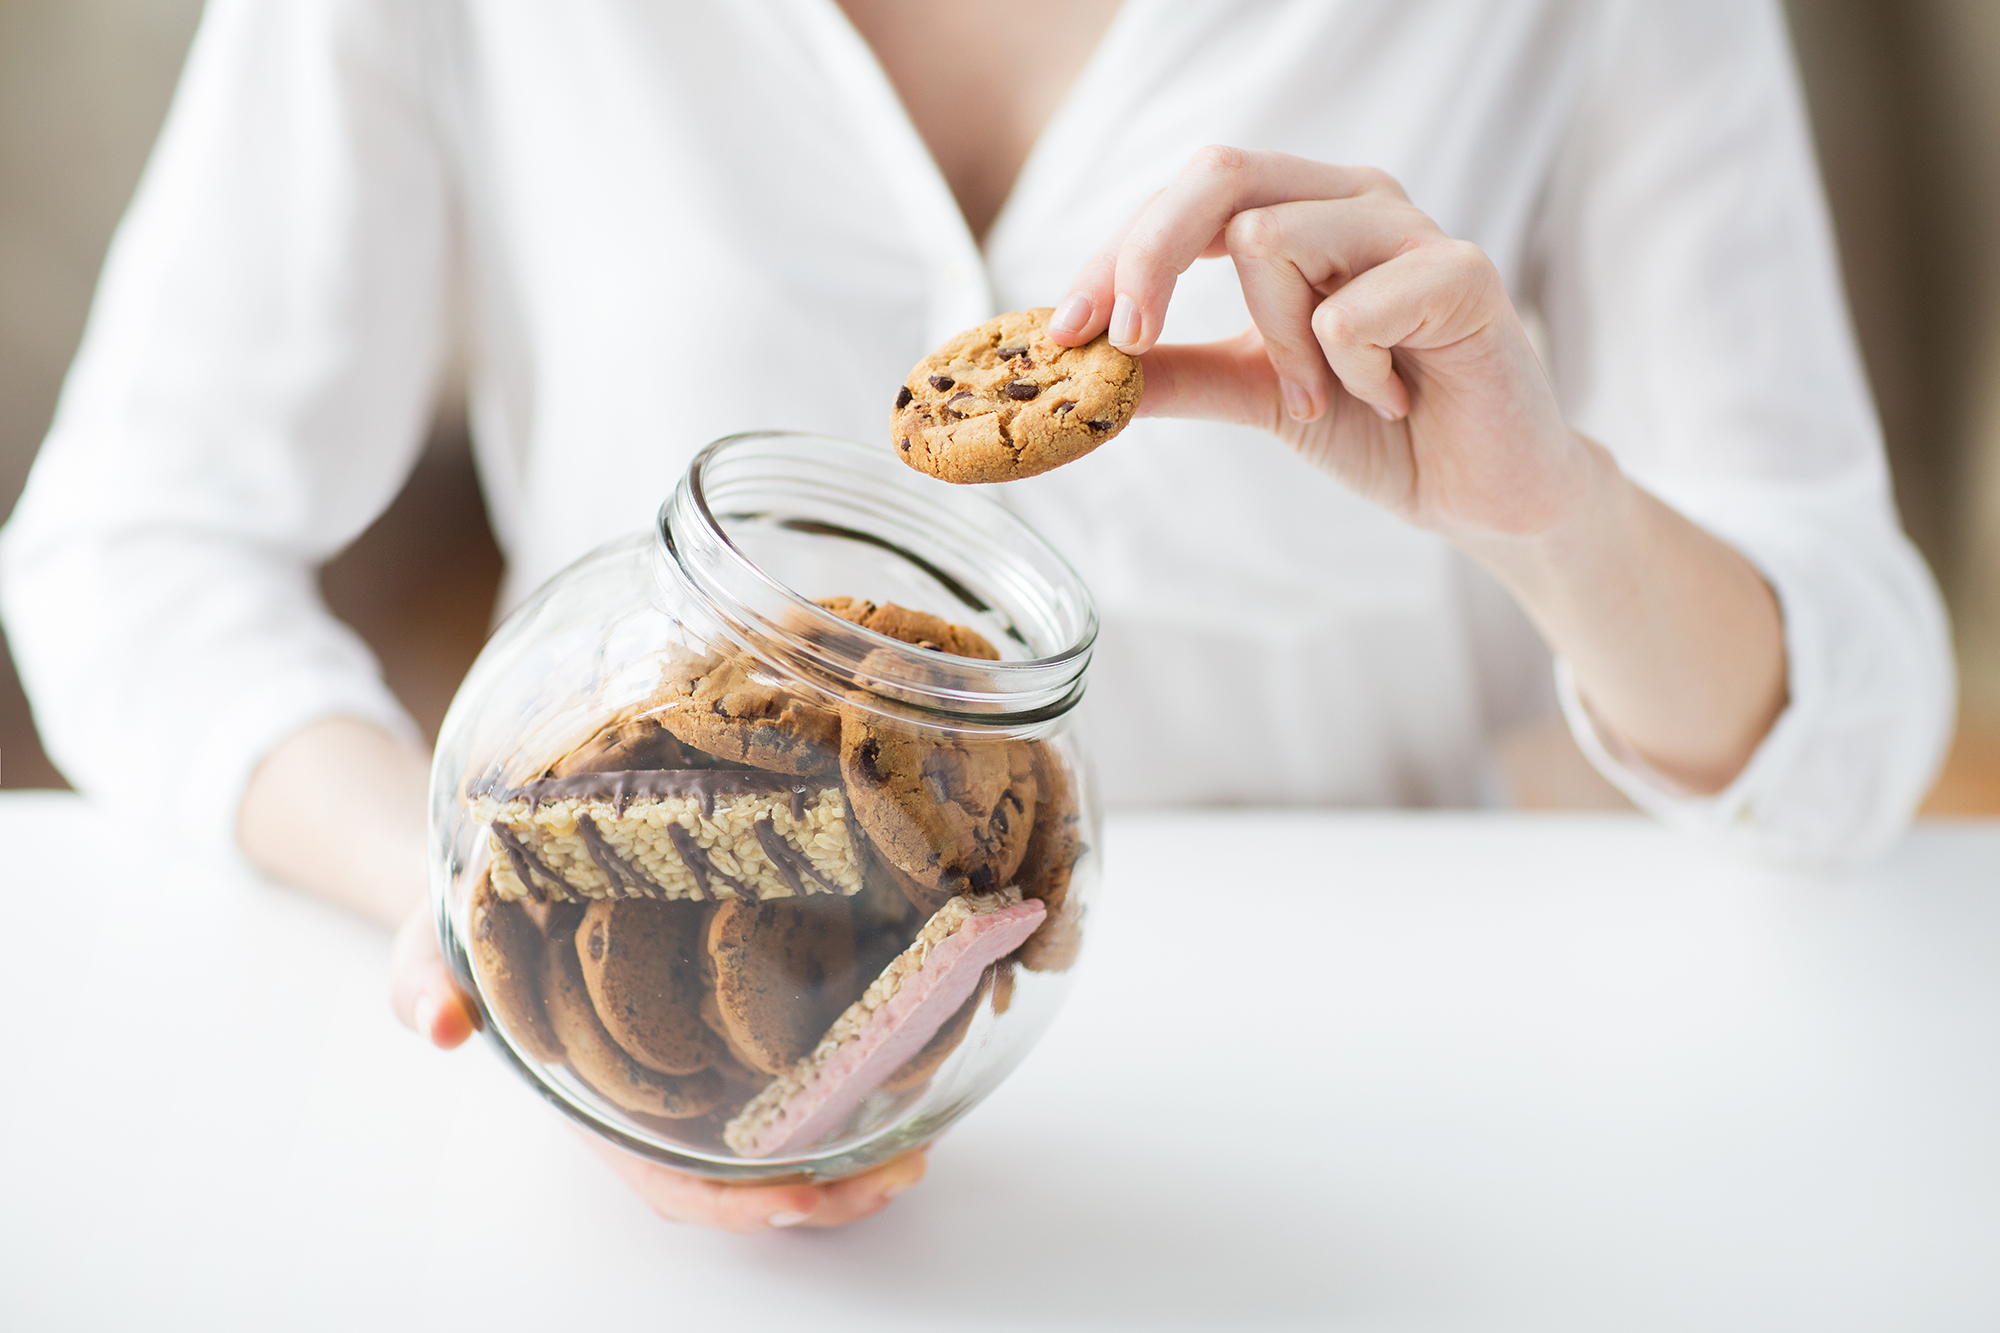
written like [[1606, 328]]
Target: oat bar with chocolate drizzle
[[700, 834]]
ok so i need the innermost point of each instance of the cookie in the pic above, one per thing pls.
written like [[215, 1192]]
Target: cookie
[[630, 743], [740, 1066], [721, 706], [1002, 402], [641, 965], [1048, 865], [918, 628], [920, 990], [506, 947], [782, 970], [603, 1064], [703, 834], [952, 814]]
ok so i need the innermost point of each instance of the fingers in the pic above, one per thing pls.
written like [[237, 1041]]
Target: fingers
[[1128, 295], [680, 1197], [857, 1197], [1424, 301], [1289, 257], [421, 990]]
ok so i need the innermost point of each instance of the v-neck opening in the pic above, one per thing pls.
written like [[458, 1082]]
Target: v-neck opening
[[1067, 109]]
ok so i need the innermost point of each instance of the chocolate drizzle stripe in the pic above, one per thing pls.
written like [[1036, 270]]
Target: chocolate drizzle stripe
[[788, 860], [525, 862], [612, 864], [622, 788], [698, 864]]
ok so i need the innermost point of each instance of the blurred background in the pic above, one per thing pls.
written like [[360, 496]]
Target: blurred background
[[1905, 99]]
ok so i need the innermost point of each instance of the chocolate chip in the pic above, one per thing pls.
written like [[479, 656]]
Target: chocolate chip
[[1022, 390], [903, 397], [1009, 353], [1098, 425], [906, 445], [596, 943], [942, 382], [983, 879], [1064, 409], [866, 760], [951, 404]]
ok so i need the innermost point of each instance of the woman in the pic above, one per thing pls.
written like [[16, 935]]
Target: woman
[[655, 224]]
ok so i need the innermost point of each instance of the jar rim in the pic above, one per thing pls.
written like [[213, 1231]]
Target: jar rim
[[1022, 577]]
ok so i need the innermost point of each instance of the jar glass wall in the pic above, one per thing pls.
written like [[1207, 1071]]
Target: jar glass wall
[[763, 840]]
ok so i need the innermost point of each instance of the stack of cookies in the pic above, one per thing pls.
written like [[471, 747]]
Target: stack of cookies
[[743, 908]]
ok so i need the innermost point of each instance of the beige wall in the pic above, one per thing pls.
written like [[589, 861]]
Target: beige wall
[[1906, 101]]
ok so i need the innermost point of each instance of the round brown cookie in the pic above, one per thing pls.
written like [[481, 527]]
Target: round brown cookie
[[953, 815], [737, 1067], [784, 969], [1052, 853], [720, 706], [919, 1067], [918, 628], [1002, 402], [506, 948], [641, 965], [628, 744], [603, 1064]]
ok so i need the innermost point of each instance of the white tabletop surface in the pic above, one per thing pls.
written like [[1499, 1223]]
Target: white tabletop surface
[[1326, 1071]]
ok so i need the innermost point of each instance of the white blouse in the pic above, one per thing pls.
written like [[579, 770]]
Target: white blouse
[[656, 223]]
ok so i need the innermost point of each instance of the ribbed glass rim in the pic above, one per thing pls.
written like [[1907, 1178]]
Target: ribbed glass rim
[[976, 547]]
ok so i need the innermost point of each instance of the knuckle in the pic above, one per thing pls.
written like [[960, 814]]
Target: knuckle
[[1468, 262], [1377, 181], [1333, 325], [1219, 160], [1254, 234]]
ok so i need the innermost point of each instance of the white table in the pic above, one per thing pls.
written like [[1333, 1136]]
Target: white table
[[1361, 1071]]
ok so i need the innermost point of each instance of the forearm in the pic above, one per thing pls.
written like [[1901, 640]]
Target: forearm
[[340, 809], [1676, 641]]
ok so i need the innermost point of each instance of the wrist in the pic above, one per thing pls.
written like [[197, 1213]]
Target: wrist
[[1591, 513]]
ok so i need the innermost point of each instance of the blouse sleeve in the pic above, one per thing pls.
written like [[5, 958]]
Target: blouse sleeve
[[1684, 265], [252, 388]]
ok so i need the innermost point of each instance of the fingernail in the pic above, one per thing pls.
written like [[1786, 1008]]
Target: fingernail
[[1124, 321], [902, 1187], [1072, 315], [785, 1219], [425, 1015], [1298, 402], [1383, 412]]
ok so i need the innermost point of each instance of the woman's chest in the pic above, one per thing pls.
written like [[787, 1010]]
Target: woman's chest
[[683, 220]]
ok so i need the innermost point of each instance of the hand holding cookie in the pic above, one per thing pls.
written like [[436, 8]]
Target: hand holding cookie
[[1381, 349]]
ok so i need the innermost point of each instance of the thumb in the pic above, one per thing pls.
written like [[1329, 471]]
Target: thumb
[[1230, 380], [421, 991]]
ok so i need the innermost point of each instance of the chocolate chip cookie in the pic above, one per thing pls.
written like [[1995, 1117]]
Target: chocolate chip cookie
[[602, 1062], [721, 706], [1002, 402], [629, 743], [952, 813], [920, 629], [641, 964], [783, 970], [1052, 853], [506, 949]]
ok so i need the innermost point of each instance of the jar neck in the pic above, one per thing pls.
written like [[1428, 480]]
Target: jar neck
[[760, 522]]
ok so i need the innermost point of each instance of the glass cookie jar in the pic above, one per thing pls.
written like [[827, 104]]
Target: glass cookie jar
[[762, 840]]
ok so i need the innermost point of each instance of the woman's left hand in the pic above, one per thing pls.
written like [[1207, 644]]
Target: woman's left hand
[[1381, 349]]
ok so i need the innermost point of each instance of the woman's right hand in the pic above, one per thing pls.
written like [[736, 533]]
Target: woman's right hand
[[422, 993]]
